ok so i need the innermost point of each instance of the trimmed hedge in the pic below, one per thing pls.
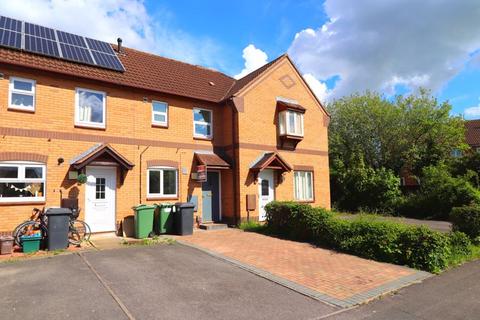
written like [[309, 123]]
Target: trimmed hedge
[[386, 241], [467, 220]]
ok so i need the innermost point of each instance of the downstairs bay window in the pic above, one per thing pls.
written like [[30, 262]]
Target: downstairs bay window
[[303, 185], [22, 182], [162, 182]]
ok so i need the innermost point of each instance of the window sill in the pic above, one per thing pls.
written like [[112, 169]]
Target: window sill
[[159, 125], [22, 203], [17, 109], [162, 198], [87, 126], [202, 138], [305, 201]]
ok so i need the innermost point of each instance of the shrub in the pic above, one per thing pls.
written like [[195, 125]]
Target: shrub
[[439, 193], [422, 248], [372, 239], [460, 243], [294, 220], [467, 220], [359, 187], [417, 247]]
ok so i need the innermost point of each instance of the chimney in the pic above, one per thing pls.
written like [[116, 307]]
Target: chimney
[[119, 42]]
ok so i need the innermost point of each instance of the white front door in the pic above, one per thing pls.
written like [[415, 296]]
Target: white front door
[[100, 198], [265, 191]]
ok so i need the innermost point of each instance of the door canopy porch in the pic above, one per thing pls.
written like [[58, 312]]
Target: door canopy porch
[[101, 154], [270, 160], [211, 161]]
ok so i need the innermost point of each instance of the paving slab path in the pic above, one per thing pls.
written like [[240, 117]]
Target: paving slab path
[[339, 279]]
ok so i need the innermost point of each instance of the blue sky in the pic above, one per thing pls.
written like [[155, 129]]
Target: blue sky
[[269, 25], [341, 46]]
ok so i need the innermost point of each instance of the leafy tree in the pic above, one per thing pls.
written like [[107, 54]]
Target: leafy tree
[[414, 130]]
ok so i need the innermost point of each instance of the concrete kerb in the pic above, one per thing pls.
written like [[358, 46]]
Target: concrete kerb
[[349, 302]]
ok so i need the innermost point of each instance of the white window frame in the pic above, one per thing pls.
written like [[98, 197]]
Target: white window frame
[[21, 165], [77, 110], [160, 123], [210, 124], [284, 123], [161, 194], [12, 90], [305, 185]]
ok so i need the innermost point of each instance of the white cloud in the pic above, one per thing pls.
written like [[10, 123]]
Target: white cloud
[[254, 59], [472, 112], [377, 45], [319, 88], [109, 19]]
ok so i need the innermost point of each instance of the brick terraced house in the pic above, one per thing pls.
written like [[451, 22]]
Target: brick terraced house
[[147, 129]]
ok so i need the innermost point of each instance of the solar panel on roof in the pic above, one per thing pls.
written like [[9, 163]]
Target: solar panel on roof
[[10, 24], [59, 44], [76, 53], [107, 60], [10, 39], [39, 31], [69, 38], [100, 46], [41, 45]]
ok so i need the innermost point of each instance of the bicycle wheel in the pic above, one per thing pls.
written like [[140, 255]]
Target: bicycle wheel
[[26, 227], [78, 232]]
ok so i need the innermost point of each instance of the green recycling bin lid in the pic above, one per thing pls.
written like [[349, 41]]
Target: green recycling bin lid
[[143, 206]]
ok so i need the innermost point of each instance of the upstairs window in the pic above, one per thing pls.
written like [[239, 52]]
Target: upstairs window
[[291, 123], [22, 182], [21, 94], [303, 184], [90, 108], [202, 123], [162, 182], [159, 113]]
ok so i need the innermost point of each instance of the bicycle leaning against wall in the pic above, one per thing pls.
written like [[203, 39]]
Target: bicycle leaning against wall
[[78, 231]]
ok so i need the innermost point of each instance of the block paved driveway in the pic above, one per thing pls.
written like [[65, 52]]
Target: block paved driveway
[[156, 282], [336, 278]]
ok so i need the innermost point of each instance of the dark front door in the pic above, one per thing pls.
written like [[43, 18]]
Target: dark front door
[[211, 198]]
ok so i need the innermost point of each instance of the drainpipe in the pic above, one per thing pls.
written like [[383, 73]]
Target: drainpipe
[[236, 172], [140, 176]]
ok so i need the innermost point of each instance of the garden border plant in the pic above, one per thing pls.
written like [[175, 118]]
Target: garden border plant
[[386, 241]]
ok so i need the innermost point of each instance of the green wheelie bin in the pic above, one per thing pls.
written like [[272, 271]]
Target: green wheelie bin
[[163, 221], [143, 220]]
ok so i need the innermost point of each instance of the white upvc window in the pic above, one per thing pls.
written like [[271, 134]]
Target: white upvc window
[[159, 113], [303, 185], [22, 181], [162, 182], [202, 123], [21, 94], [291, 123], [90, 108]]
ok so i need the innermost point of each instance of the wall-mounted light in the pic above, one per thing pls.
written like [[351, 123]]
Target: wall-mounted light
[[145, 99], [2, 76], [60, 161]]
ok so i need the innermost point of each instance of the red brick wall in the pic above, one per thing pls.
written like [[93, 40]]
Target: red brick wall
[[128, 130], [50, 131], [258, 134]]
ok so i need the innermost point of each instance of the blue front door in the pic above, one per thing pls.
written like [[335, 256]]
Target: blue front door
[[211, 198]]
